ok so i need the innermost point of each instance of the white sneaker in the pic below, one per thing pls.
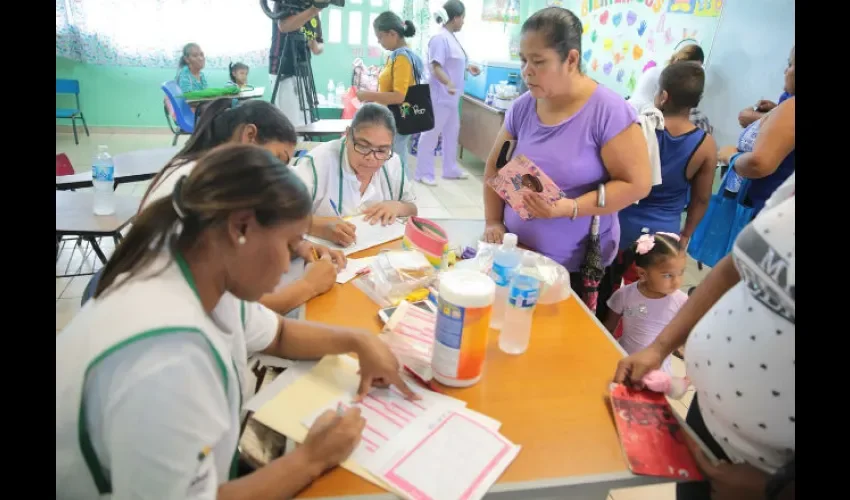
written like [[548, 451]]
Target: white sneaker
[[427, 181], [461, 176]]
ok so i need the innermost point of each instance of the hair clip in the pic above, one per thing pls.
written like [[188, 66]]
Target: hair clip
[[644, 244]]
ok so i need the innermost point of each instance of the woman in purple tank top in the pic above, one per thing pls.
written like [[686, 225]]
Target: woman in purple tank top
[[578, 132]]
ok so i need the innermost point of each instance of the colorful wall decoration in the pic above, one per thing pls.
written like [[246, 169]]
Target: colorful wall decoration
[[501, 11], [623, 38]]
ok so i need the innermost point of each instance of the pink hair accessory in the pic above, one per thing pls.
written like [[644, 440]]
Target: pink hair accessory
[[672, 235], [645, 244], [663, 382]]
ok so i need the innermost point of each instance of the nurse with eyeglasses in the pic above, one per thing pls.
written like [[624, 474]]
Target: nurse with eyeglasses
[[357, 174]]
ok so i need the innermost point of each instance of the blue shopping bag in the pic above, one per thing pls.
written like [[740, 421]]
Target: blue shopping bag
[[723, 220]]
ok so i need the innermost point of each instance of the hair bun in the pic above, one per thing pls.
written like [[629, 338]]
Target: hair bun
[[409, 29], [441, 17]]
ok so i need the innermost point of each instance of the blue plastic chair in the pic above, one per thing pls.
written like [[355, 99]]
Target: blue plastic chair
[[71, 87], [183, 114]]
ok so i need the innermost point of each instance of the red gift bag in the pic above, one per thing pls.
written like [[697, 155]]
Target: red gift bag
[[350, 103]]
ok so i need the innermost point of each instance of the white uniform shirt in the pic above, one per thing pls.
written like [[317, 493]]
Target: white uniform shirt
[[332, 170], [646, 88], [741, 354], [165, 392], [268, 319]]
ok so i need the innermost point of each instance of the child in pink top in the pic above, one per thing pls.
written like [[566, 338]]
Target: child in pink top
[[647, 305]]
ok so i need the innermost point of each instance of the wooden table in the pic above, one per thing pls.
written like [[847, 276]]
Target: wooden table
[[134, 166], [256, 93], [74, 217], [479, 126], [550, 400], [322, 127]]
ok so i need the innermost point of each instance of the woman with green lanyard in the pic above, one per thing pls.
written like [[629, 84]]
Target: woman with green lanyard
[[148, 396], [358, 174]]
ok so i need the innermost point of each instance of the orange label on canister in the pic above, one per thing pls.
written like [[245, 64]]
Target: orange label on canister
[[460, 345]]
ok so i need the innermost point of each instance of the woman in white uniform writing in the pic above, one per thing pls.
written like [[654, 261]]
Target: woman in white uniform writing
[[358, 174], [253, 122], [148, 397]]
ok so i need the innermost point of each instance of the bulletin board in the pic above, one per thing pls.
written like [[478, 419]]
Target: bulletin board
[[623, 38]]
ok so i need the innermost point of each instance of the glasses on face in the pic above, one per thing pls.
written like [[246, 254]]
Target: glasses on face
[[383, 154]]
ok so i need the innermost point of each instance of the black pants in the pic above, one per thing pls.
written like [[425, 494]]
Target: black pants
[[699, 490]]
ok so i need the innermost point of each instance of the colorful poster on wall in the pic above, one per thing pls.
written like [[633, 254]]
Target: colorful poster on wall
[[501, 11], [623, 38]]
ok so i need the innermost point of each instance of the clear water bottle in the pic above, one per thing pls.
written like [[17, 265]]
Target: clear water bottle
[[340, 93], [103, 179], [733, 182], [506, 261], [331, 92], [491, 95], [522, 300]]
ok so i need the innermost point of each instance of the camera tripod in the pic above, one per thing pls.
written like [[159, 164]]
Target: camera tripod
[[294, 47]]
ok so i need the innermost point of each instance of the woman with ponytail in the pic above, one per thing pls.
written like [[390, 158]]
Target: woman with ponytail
[[250, 122], [448, 63], [149, 382], [399, 73]]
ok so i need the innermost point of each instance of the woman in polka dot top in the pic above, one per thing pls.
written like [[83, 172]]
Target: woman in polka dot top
[[740, 355]]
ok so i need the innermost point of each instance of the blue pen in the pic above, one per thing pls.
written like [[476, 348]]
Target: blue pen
[[336, 210]]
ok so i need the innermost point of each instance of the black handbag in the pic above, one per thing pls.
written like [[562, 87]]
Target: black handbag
[[416, 113]]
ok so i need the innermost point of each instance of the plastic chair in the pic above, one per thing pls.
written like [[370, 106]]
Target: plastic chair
[[71, 87], [170, 119], [183, 114]]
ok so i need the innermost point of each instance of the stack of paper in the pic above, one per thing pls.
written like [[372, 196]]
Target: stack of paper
[[431, 448], [366, 234]]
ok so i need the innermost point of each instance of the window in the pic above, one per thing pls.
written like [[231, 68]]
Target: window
[[355, 27], [335, 26]]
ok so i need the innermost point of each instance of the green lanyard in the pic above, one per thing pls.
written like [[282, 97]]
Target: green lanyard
[[383, 167]]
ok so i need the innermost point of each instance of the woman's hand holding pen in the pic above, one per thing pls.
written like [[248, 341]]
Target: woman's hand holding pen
[[340, 232]]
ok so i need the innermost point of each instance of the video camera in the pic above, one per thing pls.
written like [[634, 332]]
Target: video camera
[[276, 13]]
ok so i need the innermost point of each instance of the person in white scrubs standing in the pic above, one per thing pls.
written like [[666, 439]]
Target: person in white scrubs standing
[[740, 328], [148, 389], [448, 64], [358, 174]]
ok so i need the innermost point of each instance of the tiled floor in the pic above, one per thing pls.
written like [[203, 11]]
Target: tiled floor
[[451, 199]]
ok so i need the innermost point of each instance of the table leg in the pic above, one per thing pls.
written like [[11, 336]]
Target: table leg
[[96, 248]]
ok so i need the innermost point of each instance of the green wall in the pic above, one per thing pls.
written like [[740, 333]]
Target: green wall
[[113, 96]]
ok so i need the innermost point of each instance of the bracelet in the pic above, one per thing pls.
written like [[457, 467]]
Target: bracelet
[[575, 210]]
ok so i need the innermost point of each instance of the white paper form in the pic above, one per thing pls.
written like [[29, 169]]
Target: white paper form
[[352, 267], [453, 458], [367, 235], [387, 413]]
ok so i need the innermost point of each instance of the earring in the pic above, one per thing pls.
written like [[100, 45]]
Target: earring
[[241, 240]]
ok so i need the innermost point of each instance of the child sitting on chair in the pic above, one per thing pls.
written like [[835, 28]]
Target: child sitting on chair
[[649, 304], [238, 75]]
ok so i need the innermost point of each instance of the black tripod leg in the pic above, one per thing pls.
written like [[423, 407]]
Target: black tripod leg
[[277, 80]]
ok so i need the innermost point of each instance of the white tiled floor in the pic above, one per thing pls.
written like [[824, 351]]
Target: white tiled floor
[[450, 199]]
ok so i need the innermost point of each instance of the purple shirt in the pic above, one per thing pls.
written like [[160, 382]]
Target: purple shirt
[[569, 153], [444, 49]]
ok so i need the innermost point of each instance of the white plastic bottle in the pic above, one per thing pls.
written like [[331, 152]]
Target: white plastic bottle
[[331, 92], [522, 300], [505, 263], [340, 93], [103, 179]]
